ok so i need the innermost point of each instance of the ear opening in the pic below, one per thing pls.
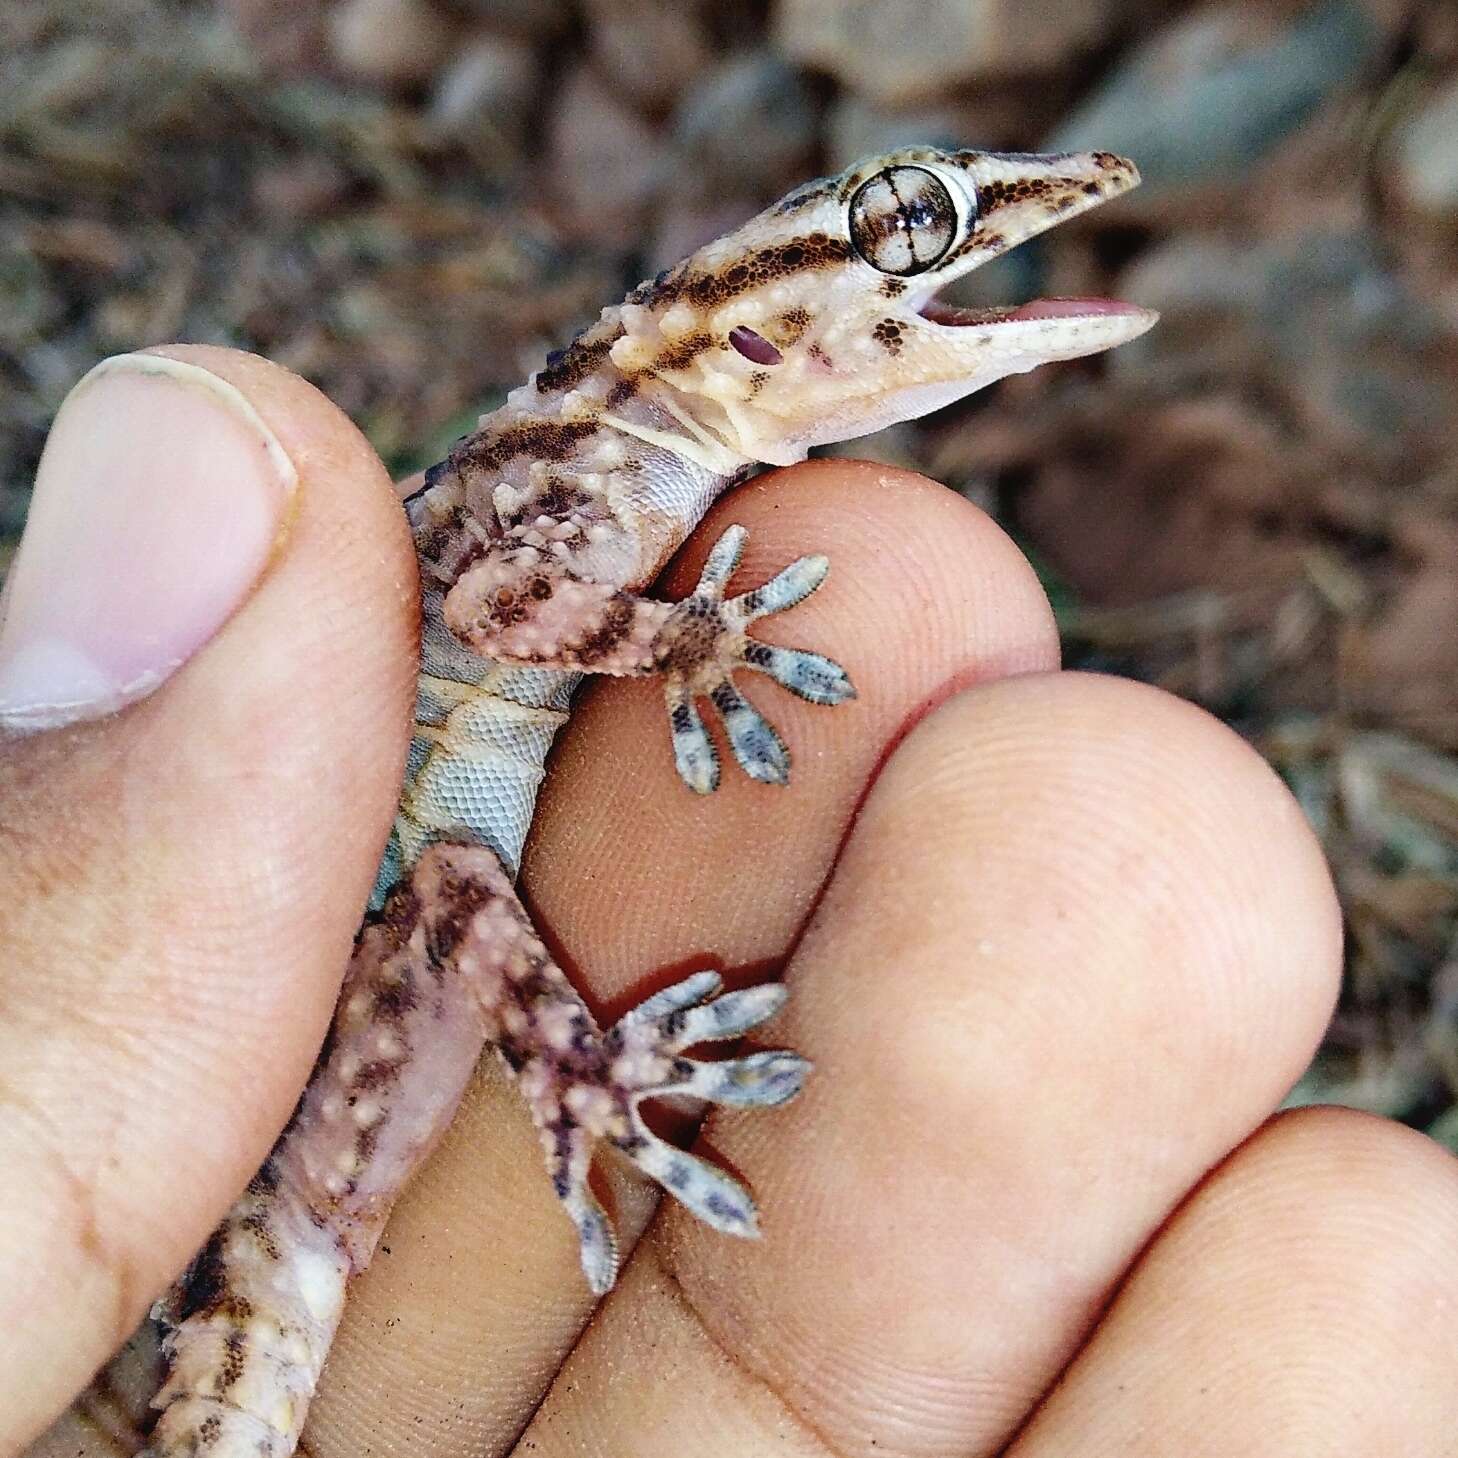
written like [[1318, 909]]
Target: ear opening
[[754, 347]]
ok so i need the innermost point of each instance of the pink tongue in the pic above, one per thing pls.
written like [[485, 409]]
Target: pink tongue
[[1068, 308]]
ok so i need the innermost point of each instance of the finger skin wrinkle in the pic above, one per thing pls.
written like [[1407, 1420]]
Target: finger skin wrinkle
[[738, 1361], [688, 1392], [72, 1236], [73, 1240], [1290, 1300]]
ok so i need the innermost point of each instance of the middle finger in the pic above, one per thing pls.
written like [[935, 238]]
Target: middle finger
[[1079, 943]]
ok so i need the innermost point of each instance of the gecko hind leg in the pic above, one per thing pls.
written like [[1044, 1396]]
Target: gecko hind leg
[[460, 924], [703, 641]]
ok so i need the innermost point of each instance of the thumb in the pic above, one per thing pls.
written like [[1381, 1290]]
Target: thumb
[[213, 545]]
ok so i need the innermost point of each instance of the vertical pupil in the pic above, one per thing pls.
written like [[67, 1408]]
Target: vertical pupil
[[912, 219]]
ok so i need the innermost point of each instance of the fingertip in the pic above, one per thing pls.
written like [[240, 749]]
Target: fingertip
[[1123, 807], [925, 595], [1318, 1259]]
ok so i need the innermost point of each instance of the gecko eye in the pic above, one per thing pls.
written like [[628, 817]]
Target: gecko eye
[[903, 220]]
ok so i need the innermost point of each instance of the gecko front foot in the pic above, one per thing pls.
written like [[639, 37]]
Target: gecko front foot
[[703, 641], [518, 606]]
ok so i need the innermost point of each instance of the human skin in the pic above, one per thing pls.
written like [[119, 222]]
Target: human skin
[[1057, 945]]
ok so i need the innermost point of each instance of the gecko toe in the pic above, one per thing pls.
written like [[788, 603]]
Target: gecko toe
[[723, 1017], [672, 1005], [719, 565], [689, 1012], [717, 1198], [694, 754], [756, 1081], [597, 1242], [808, 676], [757, 749], [783, 591]]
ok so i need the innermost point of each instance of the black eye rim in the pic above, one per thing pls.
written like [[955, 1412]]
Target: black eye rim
[[959, 222]]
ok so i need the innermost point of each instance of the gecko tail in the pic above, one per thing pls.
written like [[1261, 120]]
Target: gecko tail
[[249, 1328], [250, 1324]]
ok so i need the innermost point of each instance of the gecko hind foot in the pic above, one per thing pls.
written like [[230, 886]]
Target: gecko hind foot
[[645, 1049], [642, 1058], [703, 642]]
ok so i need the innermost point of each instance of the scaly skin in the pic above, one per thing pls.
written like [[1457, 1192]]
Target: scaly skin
[[812, 323]]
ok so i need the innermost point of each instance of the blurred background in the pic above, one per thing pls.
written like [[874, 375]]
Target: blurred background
[[1256, 506]]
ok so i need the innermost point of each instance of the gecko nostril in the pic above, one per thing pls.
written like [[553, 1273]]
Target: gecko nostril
[[754, 347]]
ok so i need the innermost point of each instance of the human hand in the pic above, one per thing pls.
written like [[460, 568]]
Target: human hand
[[1064, 962]]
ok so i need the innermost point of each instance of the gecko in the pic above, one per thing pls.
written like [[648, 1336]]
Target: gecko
[[816, 321]]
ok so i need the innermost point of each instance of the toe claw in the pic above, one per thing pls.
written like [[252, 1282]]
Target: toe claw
[[758, 750]]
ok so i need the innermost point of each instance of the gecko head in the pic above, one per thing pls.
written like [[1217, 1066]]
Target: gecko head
[[819, 319]]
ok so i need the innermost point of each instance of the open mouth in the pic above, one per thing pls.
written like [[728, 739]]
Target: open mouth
[[937, 312]]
